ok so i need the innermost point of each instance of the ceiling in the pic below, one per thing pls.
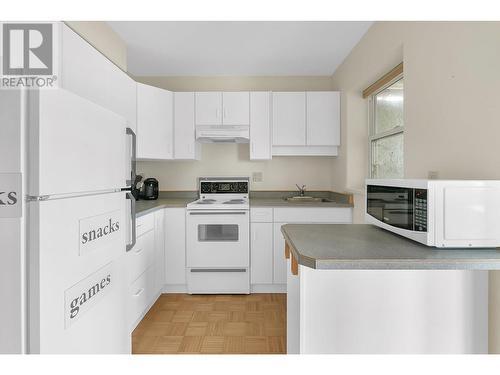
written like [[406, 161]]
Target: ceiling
[[248, 48]]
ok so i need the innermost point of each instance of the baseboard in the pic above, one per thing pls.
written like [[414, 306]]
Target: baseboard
[[268, 288], [254, 288], [174, 288]]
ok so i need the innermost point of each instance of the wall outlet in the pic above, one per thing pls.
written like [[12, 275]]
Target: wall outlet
[[433, 175], [257, 177]]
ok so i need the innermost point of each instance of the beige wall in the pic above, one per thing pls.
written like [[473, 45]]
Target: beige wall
[[280, 173], [240, 83], [452, 107], [104, 39]]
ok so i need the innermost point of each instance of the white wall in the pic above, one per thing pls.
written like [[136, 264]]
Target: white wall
[[280, 173], [452, 107]]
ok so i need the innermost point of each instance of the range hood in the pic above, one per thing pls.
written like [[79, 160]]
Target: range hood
[[223, 134]]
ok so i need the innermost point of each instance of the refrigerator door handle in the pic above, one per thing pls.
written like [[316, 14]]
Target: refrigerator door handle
[[132, 217], [133, 157]]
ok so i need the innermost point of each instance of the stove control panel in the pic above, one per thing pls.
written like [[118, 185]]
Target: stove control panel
[[224, 187]]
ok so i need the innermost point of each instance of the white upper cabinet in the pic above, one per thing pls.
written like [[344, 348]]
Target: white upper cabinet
[[88, 73], [222, 108], [154, 123], [289, 118], [209, 108], [185, 145], [235, 108], [323, 118], [306, 124], [260, 126]]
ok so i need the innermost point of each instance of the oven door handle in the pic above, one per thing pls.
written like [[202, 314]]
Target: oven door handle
[[218, 213]]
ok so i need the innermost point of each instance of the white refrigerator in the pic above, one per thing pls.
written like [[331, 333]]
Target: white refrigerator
[[79, 223]]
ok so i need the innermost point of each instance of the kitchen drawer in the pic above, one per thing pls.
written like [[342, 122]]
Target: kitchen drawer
[[139, 296], [313, 215], [141, 256], [223, 281], [261, 215], [145, 224]]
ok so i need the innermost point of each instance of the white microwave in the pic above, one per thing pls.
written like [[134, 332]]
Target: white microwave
[[440, 213]]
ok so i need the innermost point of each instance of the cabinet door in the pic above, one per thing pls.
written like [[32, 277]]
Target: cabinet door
[[88, 73], [236, 108], [261, 253], [279, 264], [154, 122], [159, 250], [323, 118], [209, 108], [185, 146], [175, 246], [289, 119], [260, 126]]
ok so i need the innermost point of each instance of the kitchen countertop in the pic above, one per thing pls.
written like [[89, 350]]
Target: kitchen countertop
[[173, 199], [280, 202], [364, 246], [145, 207]]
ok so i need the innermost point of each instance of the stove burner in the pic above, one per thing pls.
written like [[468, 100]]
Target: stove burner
[[206, 201], [235, 201]]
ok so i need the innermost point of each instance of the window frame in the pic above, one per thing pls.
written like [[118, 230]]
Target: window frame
[[372, 135]]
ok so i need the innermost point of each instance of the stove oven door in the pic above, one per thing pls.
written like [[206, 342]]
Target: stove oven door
[[217, 239]]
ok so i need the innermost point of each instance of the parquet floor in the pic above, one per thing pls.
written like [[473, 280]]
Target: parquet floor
[[213, 324]]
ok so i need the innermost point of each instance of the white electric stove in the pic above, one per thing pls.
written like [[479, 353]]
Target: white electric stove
[[217, 237], [221, 193]]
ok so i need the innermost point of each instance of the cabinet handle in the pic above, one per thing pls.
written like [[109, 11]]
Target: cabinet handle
[[139, 292], [217, 113], [225, 112], [253, 148]]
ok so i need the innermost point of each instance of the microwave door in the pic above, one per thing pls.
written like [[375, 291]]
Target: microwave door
[[400, 216]]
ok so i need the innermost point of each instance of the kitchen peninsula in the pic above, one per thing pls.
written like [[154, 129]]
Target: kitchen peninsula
[[361, 289]]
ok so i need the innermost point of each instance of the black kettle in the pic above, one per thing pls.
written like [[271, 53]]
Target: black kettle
[[149, 189]]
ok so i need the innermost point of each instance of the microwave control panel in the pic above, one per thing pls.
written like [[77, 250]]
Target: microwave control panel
[[420, 210]]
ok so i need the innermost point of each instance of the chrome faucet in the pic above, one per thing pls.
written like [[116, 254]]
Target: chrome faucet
[[302, 190]]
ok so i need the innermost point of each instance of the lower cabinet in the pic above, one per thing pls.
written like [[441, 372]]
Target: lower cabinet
[[279, 265], [159, 257], [175, 250], [261, 255], [145, 266], [141, 257], [140, 297], [267, 246]]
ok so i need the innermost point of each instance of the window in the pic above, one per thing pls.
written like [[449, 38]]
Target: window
[[387, 130]]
